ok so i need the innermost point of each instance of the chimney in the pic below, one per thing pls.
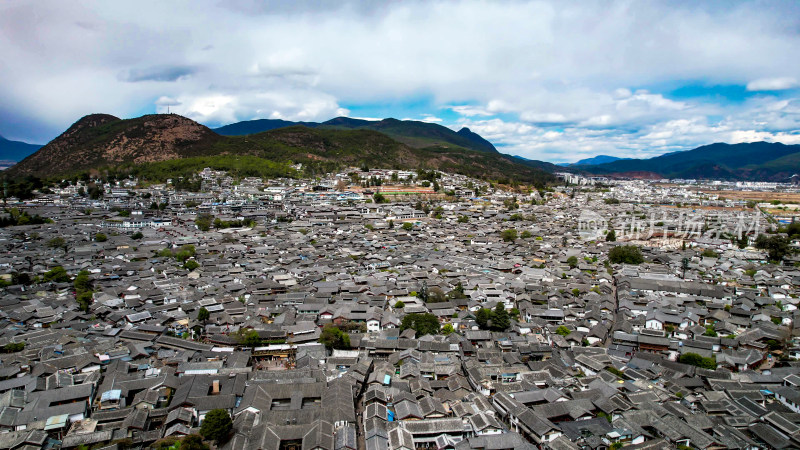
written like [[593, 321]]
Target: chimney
[[215, 387]]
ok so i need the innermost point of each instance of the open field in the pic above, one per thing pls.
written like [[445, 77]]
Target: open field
[[759, 196]]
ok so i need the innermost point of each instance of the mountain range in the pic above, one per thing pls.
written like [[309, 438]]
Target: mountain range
[[599, 159], [102, 141], [16, 150], [412, 133], [756, 161]]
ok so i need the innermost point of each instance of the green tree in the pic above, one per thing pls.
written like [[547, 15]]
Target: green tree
[[184, 252], [572, 261], [696, 360], [448, 329], [13, 347], [191, 264], [56, 242], [611, 236], [83, 290], [100, 237], [56, 274], [509, 235], [708, 253], [710, 331], [777, 246], [81, 282], [774, 345], [500, 318], [626, 254], [482, 318], [399, 305], [457, 292], [84, 299], [217, 425], [203, 222], [203, 315], [251, 339], [407, 226], [191, 442], [136, 236], [334, 338], [379, 198], [421, 323], [436, 295], [526, 234], [563, 331], [21, 278]]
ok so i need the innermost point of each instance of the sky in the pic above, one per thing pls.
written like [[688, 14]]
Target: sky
[[549, 80]]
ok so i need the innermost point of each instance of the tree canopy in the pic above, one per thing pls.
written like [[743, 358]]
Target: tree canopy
[[421, 323], [777, 246], [56, 274], [497, 319], [217, 425], [203, 314], [626, 254], [334, 338], [509, 235], [697, 360]]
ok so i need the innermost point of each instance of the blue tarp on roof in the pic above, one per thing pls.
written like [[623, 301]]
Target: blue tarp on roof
[[111, 395]]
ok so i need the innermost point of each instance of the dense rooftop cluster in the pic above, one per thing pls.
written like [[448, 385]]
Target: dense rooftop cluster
[[317, 319]]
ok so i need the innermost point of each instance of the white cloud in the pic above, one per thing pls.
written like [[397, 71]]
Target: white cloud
[[739, 136], [565, 77], [773, 84], [167, 101], [431, 118], [469, 111]]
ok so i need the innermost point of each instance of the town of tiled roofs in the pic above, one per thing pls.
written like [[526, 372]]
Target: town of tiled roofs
[[292, 313]]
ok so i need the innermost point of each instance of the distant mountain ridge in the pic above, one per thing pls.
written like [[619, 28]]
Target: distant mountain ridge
[[410, 132], [757, 161], [599, 159], [102, 141], [16, 150]]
